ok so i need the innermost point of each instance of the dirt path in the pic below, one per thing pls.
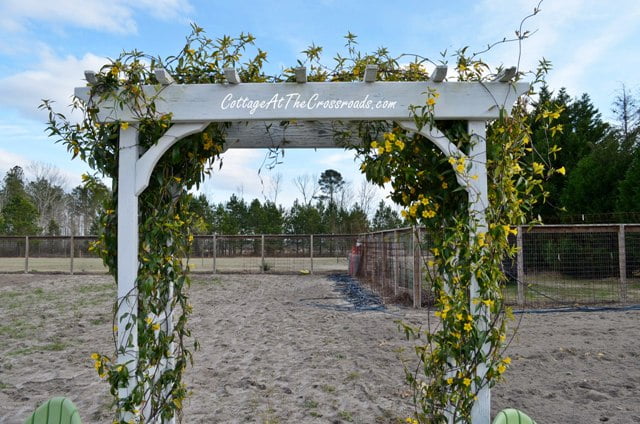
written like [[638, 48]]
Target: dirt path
[[279, 349]]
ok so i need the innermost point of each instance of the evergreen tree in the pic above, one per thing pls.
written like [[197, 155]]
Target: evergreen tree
[[629, 188], [304, 219], [592, 186], [20, 216], [385, 218], [330, 182], [582, 129]]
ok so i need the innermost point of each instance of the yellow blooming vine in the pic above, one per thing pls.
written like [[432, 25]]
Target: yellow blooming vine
[[423, 181]]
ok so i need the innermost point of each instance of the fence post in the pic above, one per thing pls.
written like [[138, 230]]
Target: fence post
[[311, 253], [26, 254], [383, 270], [622, 263], [395, 262], [417, 275], [215, 251], [262, 264], [520, 266], [71, 254]]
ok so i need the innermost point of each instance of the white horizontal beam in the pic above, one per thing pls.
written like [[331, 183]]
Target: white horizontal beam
[[295, 134], [319, 101]]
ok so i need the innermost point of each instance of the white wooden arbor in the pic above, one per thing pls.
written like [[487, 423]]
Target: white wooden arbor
[[314, 109]]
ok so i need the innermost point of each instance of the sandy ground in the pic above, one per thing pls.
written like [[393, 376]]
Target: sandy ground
[[280, 349]]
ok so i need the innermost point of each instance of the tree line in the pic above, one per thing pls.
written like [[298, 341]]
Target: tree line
[[601, 162]]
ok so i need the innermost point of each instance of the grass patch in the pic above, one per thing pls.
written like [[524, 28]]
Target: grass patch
[[310, 404], [16, 330], [55, 346], [327, 388], [354, 375], [346, 415]]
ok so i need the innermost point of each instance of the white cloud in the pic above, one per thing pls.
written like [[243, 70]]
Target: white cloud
[[115, 16], [239, 173], [53, 78]]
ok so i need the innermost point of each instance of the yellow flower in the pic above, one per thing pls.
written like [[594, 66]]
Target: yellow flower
[[466, 381], [481, 237], [501, 369], [468, 326], [561, 170], [400, 144], [380, 150], [452, 160], [124, 125], [435, 251], [460, 168], [507, 360], [488, 302], [388, 146], [148, 320], [410, 420], [95, 356], [431, 101], [177, 179], [459, 316], [450, 380], [444, 185], [374, 144], [155, 327], [190, 238], [538, 168]]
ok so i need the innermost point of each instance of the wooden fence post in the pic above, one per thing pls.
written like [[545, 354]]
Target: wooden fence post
[[395, 262], [26, 254], [520, 266], [622, 263], [311, 253], [262, 263], [215, 251], [71, 254], [417, 275]]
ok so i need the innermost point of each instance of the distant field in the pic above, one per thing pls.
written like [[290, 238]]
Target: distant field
[[247, 264]]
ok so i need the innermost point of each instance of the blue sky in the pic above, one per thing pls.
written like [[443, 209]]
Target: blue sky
[[46, 46]]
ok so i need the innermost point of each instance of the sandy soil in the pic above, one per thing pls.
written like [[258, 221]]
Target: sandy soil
[[279, 349]]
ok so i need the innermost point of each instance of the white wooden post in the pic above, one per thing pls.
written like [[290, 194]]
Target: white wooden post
[[478, 202], [127, 340]]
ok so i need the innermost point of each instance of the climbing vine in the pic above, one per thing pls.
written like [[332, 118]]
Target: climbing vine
[[469, 332]]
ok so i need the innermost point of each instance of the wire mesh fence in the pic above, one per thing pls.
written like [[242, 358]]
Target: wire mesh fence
[[557, 265]]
